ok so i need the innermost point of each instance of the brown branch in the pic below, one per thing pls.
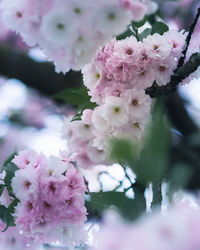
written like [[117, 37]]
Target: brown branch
[[41, 76]]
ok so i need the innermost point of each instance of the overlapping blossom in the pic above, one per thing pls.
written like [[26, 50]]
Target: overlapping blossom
[[14, 239], [51, 198], [117, 79], [178, 229], [79, 136], [70, 31]]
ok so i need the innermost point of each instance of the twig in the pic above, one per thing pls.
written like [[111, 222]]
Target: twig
[[179, 75], [188, 38]]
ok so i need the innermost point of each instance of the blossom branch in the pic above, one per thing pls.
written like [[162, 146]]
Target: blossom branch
[[182, 71], [179, 75]]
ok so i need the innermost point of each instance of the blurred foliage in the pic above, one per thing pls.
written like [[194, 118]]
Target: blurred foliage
[[130, 209], [179, 177], [154, 158], [123, 151]]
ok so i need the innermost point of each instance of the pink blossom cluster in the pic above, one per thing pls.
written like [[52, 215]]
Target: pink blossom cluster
[[51, 195], [178, 229], [70, 31], [117, 79], [79, 136]]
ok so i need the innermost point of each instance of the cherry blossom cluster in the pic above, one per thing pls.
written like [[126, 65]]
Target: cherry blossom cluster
[[178, 229], [79, 136], [70, 31], [51, 198], [117, 79]]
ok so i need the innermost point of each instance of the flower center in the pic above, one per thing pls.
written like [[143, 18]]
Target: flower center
[[60, 26], [50, 172], [19, 14], [162, 68], [155, 46], [129, 51], [111, 16], [135, 102], [30, 205], [77, 10], [97, 75], [86, 126], [52, 187], [136, 125], [27, 184], [116, 110]]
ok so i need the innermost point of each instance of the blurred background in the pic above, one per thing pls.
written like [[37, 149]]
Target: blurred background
[[31, 116]]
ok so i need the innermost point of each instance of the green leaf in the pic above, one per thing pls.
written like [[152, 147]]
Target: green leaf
[[9, 159], [140, 23], [75, 96], [160, 28], [6, 217], [10, 169], [144, 34], [2, 186], [81, 108], [11, 207], [105, 200], [153, 161], [125, 34]]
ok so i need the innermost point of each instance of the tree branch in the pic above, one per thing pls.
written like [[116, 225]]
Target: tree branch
[[179, 75], [179, 116], [38, 75]]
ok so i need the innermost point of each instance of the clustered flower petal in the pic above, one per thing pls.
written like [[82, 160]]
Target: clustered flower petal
[[70, 31], [117, 79], [13, 238], [51, 194], [79, 136]]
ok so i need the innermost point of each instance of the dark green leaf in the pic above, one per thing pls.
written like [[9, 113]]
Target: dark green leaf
[[81, 108], [10, 169], [9, 159], [79, 98], [144, 34], [6, 217], [75, 96], [140, 23], [2, 186], [104, 200], [159, 28], [125, 34]]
